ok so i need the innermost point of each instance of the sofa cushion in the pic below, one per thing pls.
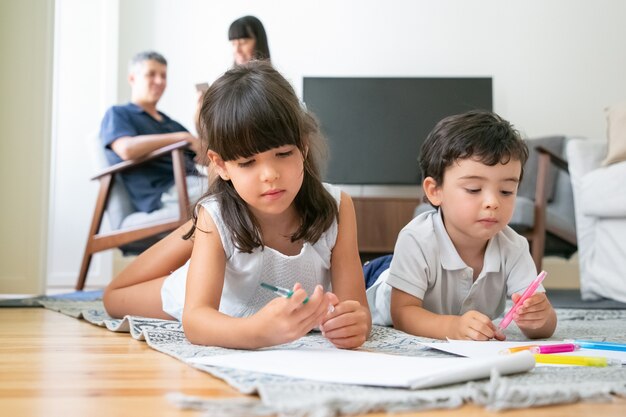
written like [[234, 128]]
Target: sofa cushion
[[616, 133], [558, 221], [527, 188], [141, 219], [603, 192], [523, 217], [604, 261], [119, 205]]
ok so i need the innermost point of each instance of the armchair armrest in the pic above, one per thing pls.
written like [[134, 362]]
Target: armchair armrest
[[537, 234], [131, 163], [546, 157], [555, 159], [97, 241]]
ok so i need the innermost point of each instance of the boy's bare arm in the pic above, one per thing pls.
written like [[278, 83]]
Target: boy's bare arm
[[536, 318], [408, 315]]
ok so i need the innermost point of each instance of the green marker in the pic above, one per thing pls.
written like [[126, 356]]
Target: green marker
[[283, 292]]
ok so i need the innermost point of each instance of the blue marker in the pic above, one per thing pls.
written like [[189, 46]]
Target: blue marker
[[592, 344]]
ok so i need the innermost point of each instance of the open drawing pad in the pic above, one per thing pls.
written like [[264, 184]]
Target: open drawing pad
[[368, 368]]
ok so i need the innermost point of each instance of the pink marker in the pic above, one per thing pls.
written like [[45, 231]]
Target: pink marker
[[560, 348], [529, 291]]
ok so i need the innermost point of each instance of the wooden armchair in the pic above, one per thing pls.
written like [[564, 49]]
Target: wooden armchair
[[543, 225], [112, 188]]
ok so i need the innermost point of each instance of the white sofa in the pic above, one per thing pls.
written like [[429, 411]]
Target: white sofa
[[600, 207]]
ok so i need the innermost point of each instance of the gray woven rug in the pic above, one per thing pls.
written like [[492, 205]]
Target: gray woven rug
[[293, 397]]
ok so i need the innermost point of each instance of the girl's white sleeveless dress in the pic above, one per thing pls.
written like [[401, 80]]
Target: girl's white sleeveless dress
[[242, 294]]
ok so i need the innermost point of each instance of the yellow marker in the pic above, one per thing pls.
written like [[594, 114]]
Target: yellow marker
[[573, 360]]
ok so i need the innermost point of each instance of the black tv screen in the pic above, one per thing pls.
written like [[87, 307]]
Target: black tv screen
[[375, 126]]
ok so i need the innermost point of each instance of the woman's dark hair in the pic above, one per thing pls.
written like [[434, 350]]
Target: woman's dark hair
[[252, 109], [480, 135], [251, 27]]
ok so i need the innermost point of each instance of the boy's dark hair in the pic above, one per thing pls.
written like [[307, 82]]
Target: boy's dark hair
[[252, 109], [251, 27], [143, 56], [480, 135]]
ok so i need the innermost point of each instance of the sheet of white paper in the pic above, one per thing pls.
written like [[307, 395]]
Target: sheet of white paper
[[368, 368], [475, 349]]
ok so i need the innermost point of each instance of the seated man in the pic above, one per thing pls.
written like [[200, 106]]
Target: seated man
[[133, 130]]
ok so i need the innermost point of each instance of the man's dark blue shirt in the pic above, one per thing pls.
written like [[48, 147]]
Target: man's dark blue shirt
[[147, 182]]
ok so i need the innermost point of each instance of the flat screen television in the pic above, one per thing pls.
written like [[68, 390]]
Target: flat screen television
[[375, 126]]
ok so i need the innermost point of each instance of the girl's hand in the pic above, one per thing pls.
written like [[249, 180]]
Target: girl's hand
[[284, 320], [534, 311], [474, 326], [347, 326]]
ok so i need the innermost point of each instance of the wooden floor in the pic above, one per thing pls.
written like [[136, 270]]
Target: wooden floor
[[53, 365]]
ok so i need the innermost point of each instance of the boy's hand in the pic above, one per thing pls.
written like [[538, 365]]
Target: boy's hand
[[474, 326], [347, 326], [284, 320], [534, 311]]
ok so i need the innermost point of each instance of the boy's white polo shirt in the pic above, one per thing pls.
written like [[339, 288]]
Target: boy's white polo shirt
[[427, 265]]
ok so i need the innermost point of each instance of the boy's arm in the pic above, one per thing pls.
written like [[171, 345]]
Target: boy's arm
[[409, 316], [408, 271], [536, 317]]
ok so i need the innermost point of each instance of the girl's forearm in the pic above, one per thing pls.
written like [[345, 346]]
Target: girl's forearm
[[208, 327]]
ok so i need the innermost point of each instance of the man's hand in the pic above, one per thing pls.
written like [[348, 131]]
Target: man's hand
[[195, 145]]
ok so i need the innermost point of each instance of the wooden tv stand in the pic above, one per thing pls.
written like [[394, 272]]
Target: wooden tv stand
[[381, 215]]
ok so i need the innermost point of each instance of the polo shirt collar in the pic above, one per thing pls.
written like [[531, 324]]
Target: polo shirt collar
[[138, 109], [450, 259], [135, 108]]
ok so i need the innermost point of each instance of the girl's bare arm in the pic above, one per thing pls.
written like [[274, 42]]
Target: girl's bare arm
[[281, 320], [350, 324], [158, 261]]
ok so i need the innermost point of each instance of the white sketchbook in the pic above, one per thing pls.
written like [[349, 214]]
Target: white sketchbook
[[368, 368], [475, 349]]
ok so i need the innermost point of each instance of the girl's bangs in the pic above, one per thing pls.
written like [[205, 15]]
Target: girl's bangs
[[247, 134]]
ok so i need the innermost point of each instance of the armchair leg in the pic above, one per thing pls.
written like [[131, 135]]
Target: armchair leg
[[537, 248], [103, 194], [97, 241], [84, 268], [538, 239]]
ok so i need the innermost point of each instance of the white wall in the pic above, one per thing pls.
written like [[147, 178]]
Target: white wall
[[85, 84], [26, 28], [555, 64]]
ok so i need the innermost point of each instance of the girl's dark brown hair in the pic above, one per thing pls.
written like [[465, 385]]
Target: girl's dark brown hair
[[252, 109]]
